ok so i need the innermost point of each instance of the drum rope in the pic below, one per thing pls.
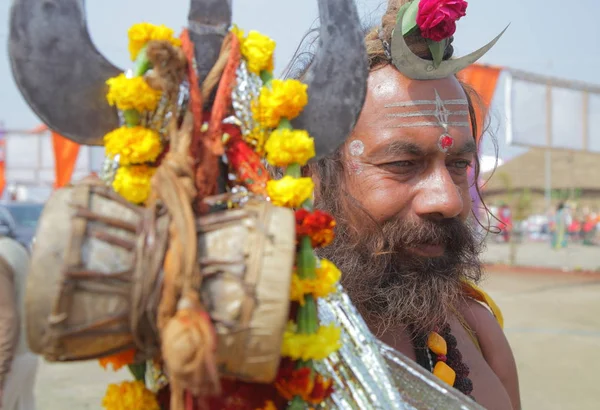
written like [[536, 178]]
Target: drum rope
[[188, 338]]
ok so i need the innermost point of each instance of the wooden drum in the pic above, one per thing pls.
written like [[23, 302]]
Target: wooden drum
[[96, 274]]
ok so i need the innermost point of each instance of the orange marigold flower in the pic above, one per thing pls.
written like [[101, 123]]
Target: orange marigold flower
[[269, 405], [303, 382], [118, 360], [318, 225], [292, 382], [323, 388]]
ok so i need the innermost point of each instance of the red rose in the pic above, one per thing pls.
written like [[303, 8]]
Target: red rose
[[437, 18]]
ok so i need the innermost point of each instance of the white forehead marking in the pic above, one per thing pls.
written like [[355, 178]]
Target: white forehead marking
[[356, 148], [432, 124], [415, 103], [441, 113]]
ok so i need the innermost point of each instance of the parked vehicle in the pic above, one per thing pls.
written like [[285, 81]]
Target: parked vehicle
[[20, 218]]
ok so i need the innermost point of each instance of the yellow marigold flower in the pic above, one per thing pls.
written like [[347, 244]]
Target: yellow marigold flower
[[241, 35], [132, 94], [282, 99], [289, 146], [290, 192], [258, 51], [140, 34], [316, 346], [134, 145], [133, 182], [129, 396], [327, 276]]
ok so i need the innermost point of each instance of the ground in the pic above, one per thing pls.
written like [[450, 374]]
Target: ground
[[551, 320], [573, 257]]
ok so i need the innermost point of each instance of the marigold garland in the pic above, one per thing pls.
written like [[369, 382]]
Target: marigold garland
[[140, 34], [328, 275], [132, 94], [118, 360], [134, 145], [285, 147], [289, 191], [314, 346], [129, 395], [281, 99], [257, 49], [133, 182]]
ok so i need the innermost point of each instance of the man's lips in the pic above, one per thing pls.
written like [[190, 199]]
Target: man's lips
[[428, 250]]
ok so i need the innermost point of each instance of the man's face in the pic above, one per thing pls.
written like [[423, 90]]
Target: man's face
[[409, 154], [400, 197]]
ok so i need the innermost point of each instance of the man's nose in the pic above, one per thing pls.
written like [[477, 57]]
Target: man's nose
[[438, 197]]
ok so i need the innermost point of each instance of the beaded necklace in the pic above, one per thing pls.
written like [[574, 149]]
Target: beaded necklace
[[438, 353]]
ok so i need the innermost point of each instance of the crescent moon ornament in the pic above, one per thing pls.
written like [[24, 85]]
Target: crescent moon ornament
[[417, 68]]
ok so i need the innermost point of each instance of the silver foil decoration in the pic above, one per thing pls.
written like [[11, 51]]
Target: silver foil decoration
[[246, 90], [368, 374], [109, 169]]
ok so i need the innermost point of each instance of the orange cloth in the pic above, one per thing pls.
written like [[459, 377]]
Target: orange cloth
[[483, 79]]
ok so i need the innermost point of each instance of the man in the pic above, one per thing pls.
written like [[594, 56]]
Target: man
[[399, 190], [18, 365]]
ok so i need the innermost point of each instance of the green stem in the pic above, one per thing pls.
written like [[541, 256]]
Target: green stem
[[311, 314], [309, 363], [132, 118], [142, 63], [306, 318], [266, 77], [306, 260], [293, 170], [285, 124], [308, 205], [138, 371], [297, 404]]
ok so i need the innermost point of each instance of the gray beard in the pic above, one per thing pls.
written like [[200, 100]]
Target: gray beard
[[391, 287]]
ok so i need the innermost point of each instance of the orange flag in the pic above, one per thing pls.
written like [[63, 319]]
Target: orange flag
[[483, 79], [65, 157]]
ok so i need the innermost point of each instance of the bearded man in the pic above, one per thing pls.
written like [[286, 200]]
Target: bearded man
[[398, 188]]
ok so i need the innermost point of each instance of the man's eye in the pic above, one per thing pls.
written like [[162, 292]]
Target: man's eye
[[401, 164], [462, 164]]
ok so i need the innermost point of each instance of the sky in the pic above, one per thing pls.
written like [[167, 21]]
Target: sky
[[549, 37]]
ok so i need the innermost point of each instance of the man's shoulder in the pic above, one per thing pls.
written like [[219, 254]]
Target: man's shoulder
[[482, 302], [493, 344]]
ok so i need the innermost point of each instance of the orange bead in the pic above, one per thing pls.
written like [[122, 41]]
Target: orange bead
[[437, 344], [445, 373]]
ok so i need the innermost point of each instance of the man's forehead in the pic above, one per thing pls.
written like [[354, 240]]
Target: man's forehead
[[387, 86]]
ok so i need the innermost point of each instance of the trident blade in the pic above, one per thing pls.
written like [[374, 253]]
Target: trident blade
[[209, 22], [337, 79], [59, 71], [417, 68]]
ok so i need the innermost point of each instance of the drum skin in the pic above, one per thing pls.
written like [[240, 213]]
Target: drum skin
[[247, 266], [90, 302]]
